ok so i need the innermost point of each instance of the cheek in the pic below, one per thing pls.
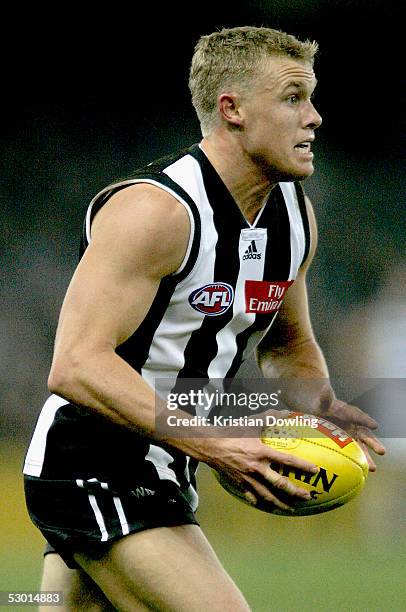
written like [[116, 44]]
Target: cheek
[[270, 132], [277, 140], [268, 135], [277, 129]]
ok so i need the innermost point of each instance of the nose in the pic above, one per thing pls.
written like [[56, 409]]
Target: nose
[[312, 119]]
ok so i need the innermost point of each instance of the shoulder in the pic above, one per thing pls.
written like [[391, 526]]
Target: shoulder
[[147, 221], [145, 199]]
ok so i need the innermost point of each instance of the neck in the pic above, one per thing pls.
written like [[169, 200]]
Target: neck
[[244, 179]]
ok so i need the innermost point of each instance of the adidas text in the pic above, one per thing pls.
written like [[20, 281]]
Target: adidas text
[[252, 256]]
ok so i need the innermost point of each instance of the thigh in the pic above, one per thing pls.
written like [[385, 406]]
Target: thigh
[[80, 593], [88, 515], [171, 569]]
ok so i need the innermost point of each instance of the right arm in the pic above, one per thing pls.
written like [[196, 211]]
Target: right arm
[[109, 296], [138, 237]]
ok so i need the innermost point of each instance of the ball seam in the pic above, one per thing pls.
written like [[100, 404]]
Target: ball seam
[[335, 451]]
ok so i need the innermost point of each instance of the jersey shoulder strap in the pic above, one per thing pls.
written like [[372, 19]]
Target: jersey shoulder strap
[[305, 219], [153, 174]]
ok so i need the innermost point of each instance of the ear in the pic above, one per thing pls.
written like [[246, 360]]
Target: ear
[[230, 109]]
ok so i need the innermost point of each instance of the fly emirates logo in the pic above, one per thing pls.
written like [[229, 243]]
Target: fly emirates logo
[[265, 296]]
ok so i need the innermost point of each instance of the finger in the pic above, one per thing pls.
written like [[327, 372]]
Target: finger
[[264, 495], [368, 439], [371, 462], [285, 485], [292, 461], [250, 498], [351, 414]]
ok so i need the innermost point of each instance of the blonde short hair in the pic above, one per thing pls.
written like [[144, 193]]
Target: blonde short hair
[[235, 57]]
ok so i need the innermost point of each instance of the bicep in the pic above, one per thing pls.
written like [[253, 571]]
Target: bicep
[[103, 305]]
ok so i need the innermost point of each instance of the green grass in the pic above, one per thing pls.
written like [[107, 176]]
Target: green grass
[[311, 579], [349, 560]]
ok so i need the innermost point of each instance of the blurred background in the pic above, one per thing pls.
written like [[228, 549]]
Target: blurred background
[[96, 93]]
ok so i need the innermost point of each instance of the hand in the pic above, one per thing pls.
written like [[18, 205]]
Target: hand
[[245, 464], [357, 424], [317, 397]]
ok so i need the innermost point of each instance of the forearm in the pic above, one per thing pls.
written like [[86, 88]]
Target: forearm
[[303, 360], [302, 367], [105, 383]]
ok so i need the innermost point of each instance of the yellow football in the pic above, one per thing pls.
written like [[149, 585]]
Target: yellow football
[[342, 464]]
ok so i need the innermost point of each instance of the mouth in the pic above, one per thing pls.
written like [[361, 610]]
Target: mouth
[[305, 145], [303, 149]]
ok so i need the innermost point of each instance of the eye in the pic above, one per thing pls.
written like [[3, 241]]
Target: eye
[[293, 99]]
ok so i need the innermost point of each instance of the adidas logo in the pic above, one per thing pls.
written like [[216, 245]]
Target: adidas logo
[[252, 252]]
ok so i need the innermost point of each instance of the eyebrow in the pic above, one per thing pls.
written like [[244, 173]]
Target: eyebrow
[[298, 85]]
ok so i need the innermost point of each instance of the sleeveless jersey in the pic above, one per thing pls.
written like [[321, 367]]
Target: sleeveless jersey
[[210, 314]]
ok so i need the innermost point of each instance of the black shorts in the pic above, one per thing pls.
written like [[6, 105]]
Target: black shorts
[[88, 516], [96, 486]]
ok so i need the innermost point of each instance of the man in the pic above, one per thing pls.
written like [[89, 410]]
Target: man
[[175, 262]]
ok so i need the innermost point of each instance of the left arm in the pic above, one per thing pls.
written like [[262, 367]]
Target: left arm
[[291, 351]]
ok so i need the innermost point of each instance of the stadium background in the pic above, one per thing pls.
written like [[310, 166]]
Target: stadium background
[[99, 92]]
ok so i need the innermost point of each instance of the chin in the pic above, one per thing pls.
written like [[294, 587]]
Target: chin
[[278, 170], [299, 174], [289, 177]]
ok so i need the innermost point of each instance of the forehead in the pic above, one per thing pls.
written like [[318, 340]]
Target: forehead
[[282, 72]]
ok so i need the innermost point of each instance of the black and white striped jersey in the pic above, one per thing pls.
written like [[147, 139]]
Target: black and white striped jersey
[[209, 315]]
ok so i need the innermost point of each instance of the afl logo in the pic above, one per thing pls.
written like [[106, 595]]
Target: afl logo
[[212, 299]]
